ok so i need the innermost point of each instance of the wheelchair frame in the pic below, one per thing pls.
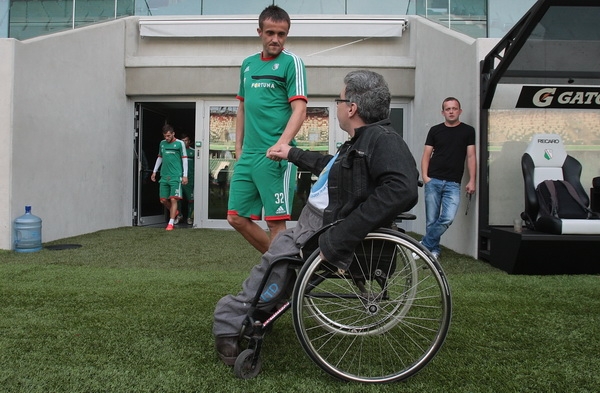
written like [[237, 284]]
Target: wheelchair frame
[[380, 321]]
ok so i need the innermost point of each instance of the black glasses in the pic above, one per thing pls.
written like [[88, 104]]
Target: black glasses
[[338, 100]]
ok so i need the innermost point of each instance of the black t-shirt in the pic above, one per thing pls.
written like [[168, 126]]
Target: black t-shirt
[[449, 150]]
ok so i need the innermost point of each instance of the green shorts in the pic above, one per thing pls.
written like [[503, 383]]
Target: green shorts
[[169, 188], [259, 182]]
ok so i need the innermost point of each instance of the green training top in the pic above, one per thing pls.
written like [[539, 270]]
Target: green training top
[[267, 87], [190, 158], [172, 155]]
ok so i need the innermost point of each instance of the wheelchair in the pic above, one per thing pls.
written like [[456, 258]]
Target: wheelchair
[[382, 320]]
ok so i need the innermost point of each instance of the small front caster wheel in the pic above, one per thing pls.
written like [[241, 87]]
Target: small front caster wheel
[[243, 367]]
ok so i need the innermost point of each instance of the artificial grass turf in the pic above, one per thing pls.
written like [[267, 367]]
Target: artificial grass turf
[[131, 311]]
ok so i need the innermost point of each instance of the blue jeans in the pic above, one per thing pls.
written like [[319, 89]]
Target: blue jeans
[[442, 198]]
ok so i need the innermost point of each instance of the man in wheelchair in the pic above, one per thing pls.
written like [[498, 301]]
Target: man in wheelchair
[[369, 181]]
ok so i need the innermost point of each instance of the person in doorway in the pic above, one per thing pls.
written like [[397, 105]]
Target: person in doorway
[[188, 189], [272, 108], [366, 184], [442, 166], [173, 164]]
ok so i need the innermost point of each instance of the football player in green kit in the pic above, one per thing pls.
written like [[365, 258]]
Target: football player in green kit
[[272, 108], [172, 161], [188, 189]]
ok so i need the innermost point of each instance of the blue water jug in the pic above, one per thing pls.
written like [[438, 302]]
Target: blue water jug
[[28, 232]]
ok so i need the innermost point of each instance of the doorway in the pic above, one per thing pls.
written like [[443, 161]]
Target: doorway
[[211, 127], [149, 119]]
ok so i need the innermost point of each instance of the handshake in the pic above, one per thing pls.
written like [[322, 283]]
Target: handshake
[[278, 152]]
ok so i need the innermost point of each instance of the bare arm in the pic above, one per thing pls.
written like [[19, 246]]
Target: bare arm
[[472, 168], [425, 163], [293, 125]]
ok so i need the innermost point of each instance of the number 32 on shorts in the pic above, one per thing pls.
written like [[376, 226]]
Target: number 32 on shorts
[[279, 198]]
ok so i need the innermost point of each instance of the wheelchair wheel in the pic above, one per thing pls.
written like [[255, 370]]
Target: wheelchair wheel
[[244, 367], [382, 320], [379, 267]]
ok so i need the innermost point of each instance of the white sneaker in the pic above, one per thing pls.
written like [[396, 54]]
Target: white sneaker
[[414, 255], [178, 219], [190, 221], [436, 255]]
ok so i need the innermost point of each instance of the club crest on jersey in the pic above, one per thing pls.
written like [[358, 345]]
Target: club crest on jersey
[[275, 66]]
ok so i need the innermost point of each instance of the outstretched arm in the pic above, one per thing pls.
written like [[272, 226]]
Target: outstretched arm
[[293, 125]]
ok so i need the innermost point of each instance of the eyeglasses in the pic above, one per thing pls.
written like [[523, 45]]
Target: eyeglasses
[[338, 100]]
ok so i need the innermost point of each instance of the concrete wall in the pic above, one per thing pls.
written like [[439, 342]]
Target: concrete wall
[[447, 64], [209, 66], [7, 48], [72, 132]]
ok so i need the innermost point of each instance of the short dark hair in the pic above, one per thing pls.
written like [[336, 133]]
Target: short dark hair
[[167, 128], [450, 99], [370, 92], [276, 14]]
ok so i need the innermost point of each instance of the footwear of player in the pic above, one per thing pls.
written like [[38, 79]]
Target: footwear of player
[[190, 221], [170, 227], [178, 217]]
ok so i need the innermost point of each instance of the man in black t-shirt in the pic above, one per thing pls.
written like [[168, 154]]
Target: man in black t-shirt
[[442, 166]]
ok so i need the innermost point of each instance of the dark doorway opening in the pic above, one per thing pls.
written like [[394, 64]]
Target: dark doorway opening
[[150, 117]]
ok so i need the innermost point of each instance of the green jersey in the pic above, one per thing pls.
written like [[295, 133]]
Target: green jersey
[[172, 155], [267, 87], [190, 158]]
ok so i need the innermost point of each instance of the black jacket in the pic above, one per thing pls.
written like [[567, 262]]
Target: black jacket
[[373, 179]]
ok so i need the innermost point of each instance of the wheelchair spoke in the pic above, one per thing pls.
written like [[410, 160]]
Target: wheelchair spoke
[[381, 321]]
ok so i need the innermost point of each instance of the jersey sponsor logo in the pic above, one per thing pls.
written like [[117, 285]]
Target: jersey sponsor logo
[[262, 85], [559, 97], [247, 69], [265, 81]]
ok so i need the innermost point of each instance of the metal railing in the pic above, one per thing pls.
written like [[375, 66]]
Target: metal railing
[[22, 19], [31, 18]]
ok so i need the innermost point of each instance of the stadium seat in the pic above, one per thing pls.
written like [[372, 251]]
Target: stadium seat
[[547, 159]]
